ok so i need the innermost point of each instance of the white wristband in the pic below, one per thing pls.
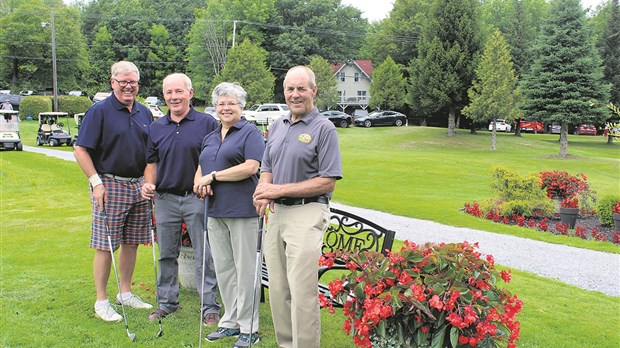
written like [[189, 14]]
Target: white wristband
[[94, 180]]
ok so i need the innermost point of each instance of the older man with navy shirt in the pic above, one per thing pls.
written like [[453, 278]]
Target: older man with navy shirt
[[111, 151], [172, 156]]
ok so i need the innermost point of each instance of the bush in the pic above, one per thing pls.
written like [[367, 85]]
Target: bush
[[73, 105], [33, 105], [521, 195], [604, 209]]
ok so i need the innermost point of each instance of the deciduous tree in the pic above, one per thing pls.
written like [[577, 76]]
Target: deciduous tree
[[327, 96], [388, 89]]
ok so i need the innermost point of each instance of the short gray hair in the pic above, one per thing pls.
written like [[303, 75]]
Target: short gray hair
[[308, 72], [186, 80], [124, 67], [229, 88]]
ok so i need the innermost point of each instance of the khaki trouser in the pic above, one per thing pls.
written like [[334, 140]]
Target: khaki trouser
[[292, 249]]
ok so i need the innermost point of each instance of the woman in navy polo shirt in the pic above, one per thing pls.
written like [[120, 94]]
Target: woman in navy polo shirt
[[228, 172]]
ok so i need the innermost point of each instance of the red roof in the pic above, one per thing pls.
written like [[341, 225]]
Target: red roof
[[364, 64]]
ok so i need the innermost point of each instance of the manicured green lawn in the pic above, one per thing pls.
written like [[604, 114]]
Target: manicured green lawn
[[46, 285]]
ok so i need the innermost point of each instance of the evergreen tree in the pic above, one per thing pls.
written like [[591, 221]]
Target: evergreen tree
[[327, 95], [446, 61], [494, 92], [245, 64], [567, 74], [388, 89], [611, 52]]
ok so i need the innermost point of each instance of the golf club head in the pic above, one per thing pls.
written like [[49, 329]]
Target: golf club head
[[160, 333], [132, 336]]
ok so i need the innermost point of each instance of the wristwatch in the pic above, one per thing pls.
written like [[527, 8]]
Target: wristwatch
[[213, 179]]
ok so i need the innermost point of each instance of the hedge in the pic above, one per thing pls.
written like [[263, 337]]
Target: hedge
[[73, 105], [33, 105]]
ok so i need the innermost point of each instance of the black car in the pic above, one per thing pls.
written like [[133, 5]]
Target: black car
[[338, 118], [381, 118]]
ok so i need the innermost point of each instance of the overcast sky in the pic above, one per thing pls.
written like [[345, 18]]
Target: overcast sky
[[375, 10]]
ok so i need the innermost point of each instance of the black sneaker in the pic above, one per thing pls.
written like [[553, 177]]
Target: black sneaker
[[220, 333], [244, 340]]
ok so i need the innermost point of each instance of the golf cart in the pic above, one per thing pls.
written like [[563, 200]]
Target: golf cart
[[50, 130], [78, 121], [9, 130]]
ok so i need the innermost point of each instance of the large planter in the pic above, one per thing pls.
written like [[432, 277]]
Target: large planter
[[569, 216], [187, 268], [616, 222]]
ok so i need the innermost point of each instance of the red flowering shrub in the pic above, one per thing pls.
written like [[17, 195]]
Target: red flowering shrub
[[570, 203], [580, 232], [442, 294], [561, 184], [616, 208], [561, 228]]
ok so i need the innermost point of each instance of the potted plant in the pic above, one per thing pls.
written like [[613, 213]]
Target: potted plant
[[436, 295], [616, 210], [569, 211], [560, 185]]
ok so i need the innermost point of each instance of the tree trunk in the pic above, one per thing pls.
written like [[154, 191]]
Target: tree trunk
[[451, 119], [493, 137], [564, 140], [423, 122], [518, 128], [610, 139]]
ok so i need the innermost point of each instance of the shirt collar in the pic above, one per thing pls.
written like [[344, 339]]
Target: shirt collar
[[309, 117], [191, 116]]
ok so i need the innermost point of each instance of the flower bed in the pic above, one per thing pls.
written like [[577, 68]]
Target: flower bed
[[587, 227], [436, 295]]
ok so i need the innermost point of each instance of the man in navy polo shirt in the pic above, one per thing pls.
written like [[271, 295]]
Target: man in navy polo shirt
[[111, 151], [172, 158], [298, 175]]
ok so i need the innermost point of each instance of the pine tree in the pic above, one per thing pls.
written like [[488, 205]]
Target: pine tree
[[565, 84], [327, 95], [245, 64], [494, 92], [611, 52], [446, 61], [388, 88]]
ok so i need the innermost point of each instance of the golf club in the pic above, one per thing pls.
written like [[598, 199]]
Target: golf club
[[259, 260], [132, 336], [202, 286], [151, 226]]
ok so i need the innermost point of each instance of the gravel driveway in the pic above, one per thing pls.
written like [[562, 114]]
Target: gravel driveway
[[587, 269]]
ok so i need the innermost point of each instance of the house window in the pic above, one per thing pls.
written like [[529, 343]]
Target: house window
[[356, 77], [361, 96], [341, 96], [341, 77]]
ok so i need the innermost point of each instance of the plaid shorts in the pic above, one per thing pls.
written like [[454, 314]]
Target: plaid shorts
[[128, 215]]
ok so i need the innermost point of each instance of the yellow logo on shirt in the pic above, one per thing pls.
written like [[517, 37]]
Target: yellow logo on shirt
[[304, 138]]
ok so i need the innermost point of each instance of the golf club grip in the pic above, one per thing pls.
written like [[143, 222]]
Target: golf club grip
[[259, 241]]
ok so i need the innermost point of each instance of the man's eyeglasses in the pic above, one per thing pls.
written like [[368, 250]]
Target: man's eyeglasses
[[123, 83], [231, 104]]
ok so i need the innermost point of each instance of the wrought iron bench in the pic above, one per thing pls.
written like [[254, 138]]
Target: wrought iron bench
[[346, 232]]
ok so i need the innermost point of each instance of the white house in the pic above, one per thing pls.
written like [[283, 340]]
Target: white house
[[353, 83]]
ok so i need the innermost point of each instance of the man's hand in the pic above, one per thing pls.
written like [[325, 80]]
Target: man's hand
[[100, 195], [148, 191]]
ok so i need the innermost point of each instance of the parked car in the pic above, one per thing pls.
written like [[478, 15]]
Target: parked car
[[585, 129], [99, 96], [555, 129], [76, 93], [265, 113], [157, 113], [26, 93], [338, 118], [531, 126], [500, 126], [359, 112], [211, 111], [381, 118], [152, 101]]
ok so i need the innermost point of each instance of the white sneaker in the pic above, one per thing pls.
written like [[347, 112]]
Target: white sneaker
[[107, 313], [133, 302]]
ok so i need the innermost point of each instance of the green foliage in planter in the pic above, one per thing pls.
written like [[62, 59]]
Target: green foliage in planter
[[518, 194], [33, 105], [73, 105], [604, 209]]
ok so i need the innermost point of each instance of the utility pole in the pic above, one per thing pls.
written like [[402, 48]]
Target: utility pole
[[54, 73], [234, 32]]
